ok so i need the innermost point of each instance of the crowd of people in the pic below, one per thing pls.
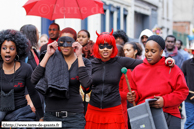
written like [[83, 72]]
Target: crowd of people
[[46, 78]]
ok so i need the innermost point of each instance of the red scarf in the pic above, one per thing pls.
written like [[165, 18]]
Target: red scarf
[[50, 41]]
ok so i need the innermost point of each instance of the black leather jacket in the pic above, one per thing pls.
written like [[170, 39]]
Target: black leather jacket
[[106, 77]]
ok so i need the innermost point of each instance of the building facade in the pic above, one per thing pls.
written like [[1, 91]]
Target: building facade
[[183, 21]]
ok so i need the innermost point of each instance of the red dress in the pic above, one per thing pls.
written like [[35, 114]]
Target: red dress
[[107, 118], [123, 90]]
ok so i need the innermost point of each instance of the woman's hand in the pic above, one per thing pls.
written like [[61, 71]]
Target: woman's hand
[[30, 103], [51, 48], [159, 103], [32, 106], [131, 96], [170, 62], [77, 48], [41, 119]]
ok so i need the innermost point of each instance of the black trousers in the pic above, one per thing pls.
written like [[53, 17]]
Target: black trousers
[[172, 121]]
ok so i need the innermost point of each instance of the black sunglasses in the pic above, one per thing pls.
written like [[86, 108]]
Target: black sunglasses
[[108, 46]]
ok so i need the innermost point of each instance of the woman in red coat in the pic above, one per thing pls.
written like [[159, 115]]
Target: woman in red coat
[[153, 79]]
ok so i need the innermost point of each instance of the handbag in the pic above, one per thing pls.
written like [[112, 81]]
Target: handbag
[[7, 99]]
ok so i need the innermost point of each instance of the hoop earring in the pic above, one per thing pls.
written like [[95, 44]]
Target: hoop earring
[[18, 58]]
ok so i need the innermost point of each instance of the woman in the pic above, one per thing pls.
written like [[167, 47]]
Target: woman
[[67, 70], [32, 35], [104, 109], [43, 39], [87, 49], [132, 50], [15, 77], [84, 39], [159, 81]]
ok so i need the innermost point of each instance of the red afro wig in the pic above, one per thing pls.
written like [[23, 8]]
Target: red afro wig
[[71, 31], [109, 38]]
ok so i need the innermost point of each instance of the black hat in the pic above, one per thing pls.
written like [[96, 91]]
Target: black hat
[[158, 40]]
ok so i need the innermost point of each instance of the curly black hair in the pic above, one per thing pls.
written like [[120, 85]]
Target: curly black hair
[[122, 34], [18, 38]]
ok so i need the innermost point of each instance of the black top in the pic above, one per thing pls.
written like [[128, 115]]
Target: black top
[[106, 77], [21, 80], [77, 76], [188, 70], [31, 59]]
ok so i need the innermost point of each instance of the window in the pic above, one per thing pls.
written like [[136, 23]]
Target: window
[[118, 18], [103, 22], [125, 13], [111, 18], [103, 18], [111, 21]]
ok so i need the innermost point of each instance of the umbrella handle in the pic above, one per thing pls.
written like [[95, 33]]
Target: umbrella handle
[[126, 78]]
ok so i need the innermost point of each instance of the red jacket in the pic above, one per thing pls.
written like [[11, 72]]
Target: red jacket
[[160, 80]]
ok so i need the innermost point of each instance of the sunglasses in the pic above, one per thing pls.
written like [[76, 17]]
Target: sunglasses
[[108, 46]]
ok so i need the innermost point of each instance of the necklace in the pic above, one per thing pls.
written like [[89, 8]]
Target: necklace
[[11, 68]]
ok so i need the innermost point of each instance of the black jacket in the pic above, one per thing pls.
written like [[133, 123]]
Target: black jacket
[[188, 70], [106, 77]]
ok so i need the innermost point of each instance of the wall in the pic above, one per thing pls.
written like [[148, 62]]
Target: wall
[[183, 10], [165, 17], [182, 27]]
